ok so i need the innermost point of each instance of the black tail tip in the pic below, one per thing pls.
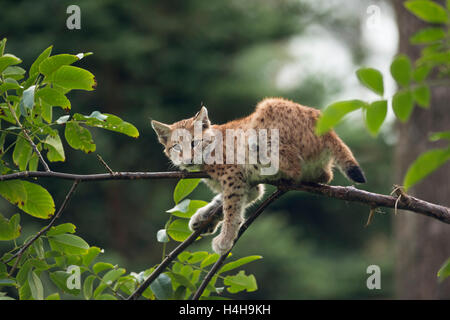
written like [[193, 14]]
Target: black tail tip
[[356, 174]]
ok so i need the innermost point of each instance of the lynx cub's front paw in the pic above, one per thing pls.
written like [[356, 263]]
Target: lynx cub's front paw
[[202, 215], [221, 244]]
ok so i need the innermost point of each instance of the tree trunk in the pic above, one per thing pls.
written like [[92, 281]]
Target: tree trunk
[[422, 244]]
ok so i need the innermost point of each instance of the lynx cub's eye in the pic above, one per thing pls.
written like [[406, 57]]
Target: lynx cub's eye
[[177, 148]]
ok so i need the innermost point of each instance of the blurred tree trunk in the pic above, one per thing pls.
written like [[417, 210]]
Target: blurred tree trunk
[[422, 244]]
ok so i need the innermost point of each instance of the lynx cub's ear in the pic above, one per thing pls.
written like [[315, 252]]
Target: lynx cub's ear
[[202, 116], [162, 130]]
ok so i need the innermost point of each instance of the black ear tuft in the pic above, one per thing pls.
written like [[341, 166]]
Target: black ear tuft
[[356, 174]]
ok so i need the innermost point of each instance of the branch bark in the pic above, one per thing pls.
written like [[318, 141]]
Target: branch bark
[[350, 193]]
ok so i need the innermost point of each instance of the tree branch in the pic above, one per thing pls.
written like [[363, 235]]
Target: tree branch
[[103, 176], [343, 193], [25, 246]]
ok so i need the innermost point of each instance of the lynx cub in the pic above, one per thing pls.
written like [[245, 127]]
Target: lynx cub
[[301, 156]]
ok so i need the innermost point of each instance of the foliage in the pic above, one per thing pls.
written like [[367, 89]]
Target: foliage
[[414, 81], [28, 105]]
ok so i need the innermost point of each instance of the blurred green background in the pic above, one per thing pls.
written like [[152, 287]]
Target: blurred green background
[[161, 60]]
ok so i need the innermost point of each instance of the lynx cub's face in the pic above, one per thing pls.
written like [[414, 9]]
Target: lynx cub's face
[[182, 138]]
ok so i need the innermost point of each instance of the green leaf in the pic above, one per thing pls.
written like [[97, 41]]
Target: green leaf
[[71, 77], [240, 262], [183, 188], [422, 96], [335, 112], [33, 163], [197, 257], [162, 287], [372, 79], [106, 296], [7, 282], [375, 115], [63, 119], [187, 208], [240, 282], [107, 280], [36, 288], [2, 46], [31, 198], [68, 243], [444, 271], [38, 246], [24, 292], [34, 69], [10, 229], [436, 58], [8, 60], [39, 202], [53, 296], [421, 72], [53, 63], [179, 230], [440, 135], [60, 278], [427, 35], [184, 256], [212, 258], [9, 84], [161, 236], [402, 104], [78, 137], [401, 70], [47, 111], [92, 253], [428, 11], [424, 165], [182, 280], [55, 148], [27, 101], [101, 266], [13, 72], [54, 98], [22, 153], [61, 229], [108, 122]]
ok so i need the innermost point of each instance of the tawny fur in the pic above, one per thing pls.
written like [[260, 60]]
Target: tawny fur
[[303, 156]]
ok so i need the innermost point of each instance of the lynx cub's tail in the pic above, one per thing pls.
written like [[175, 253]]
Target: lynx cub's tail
[[344, 159]]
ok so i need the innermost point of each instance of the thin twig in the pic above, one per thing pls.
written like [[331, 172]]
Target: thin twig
[[371, 214], [25, 246], [99, 157], [215, 268]]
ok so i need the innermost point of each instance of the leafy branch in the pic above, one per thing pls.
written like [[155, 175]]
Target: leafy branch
[[339, 192], [400, 200]]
